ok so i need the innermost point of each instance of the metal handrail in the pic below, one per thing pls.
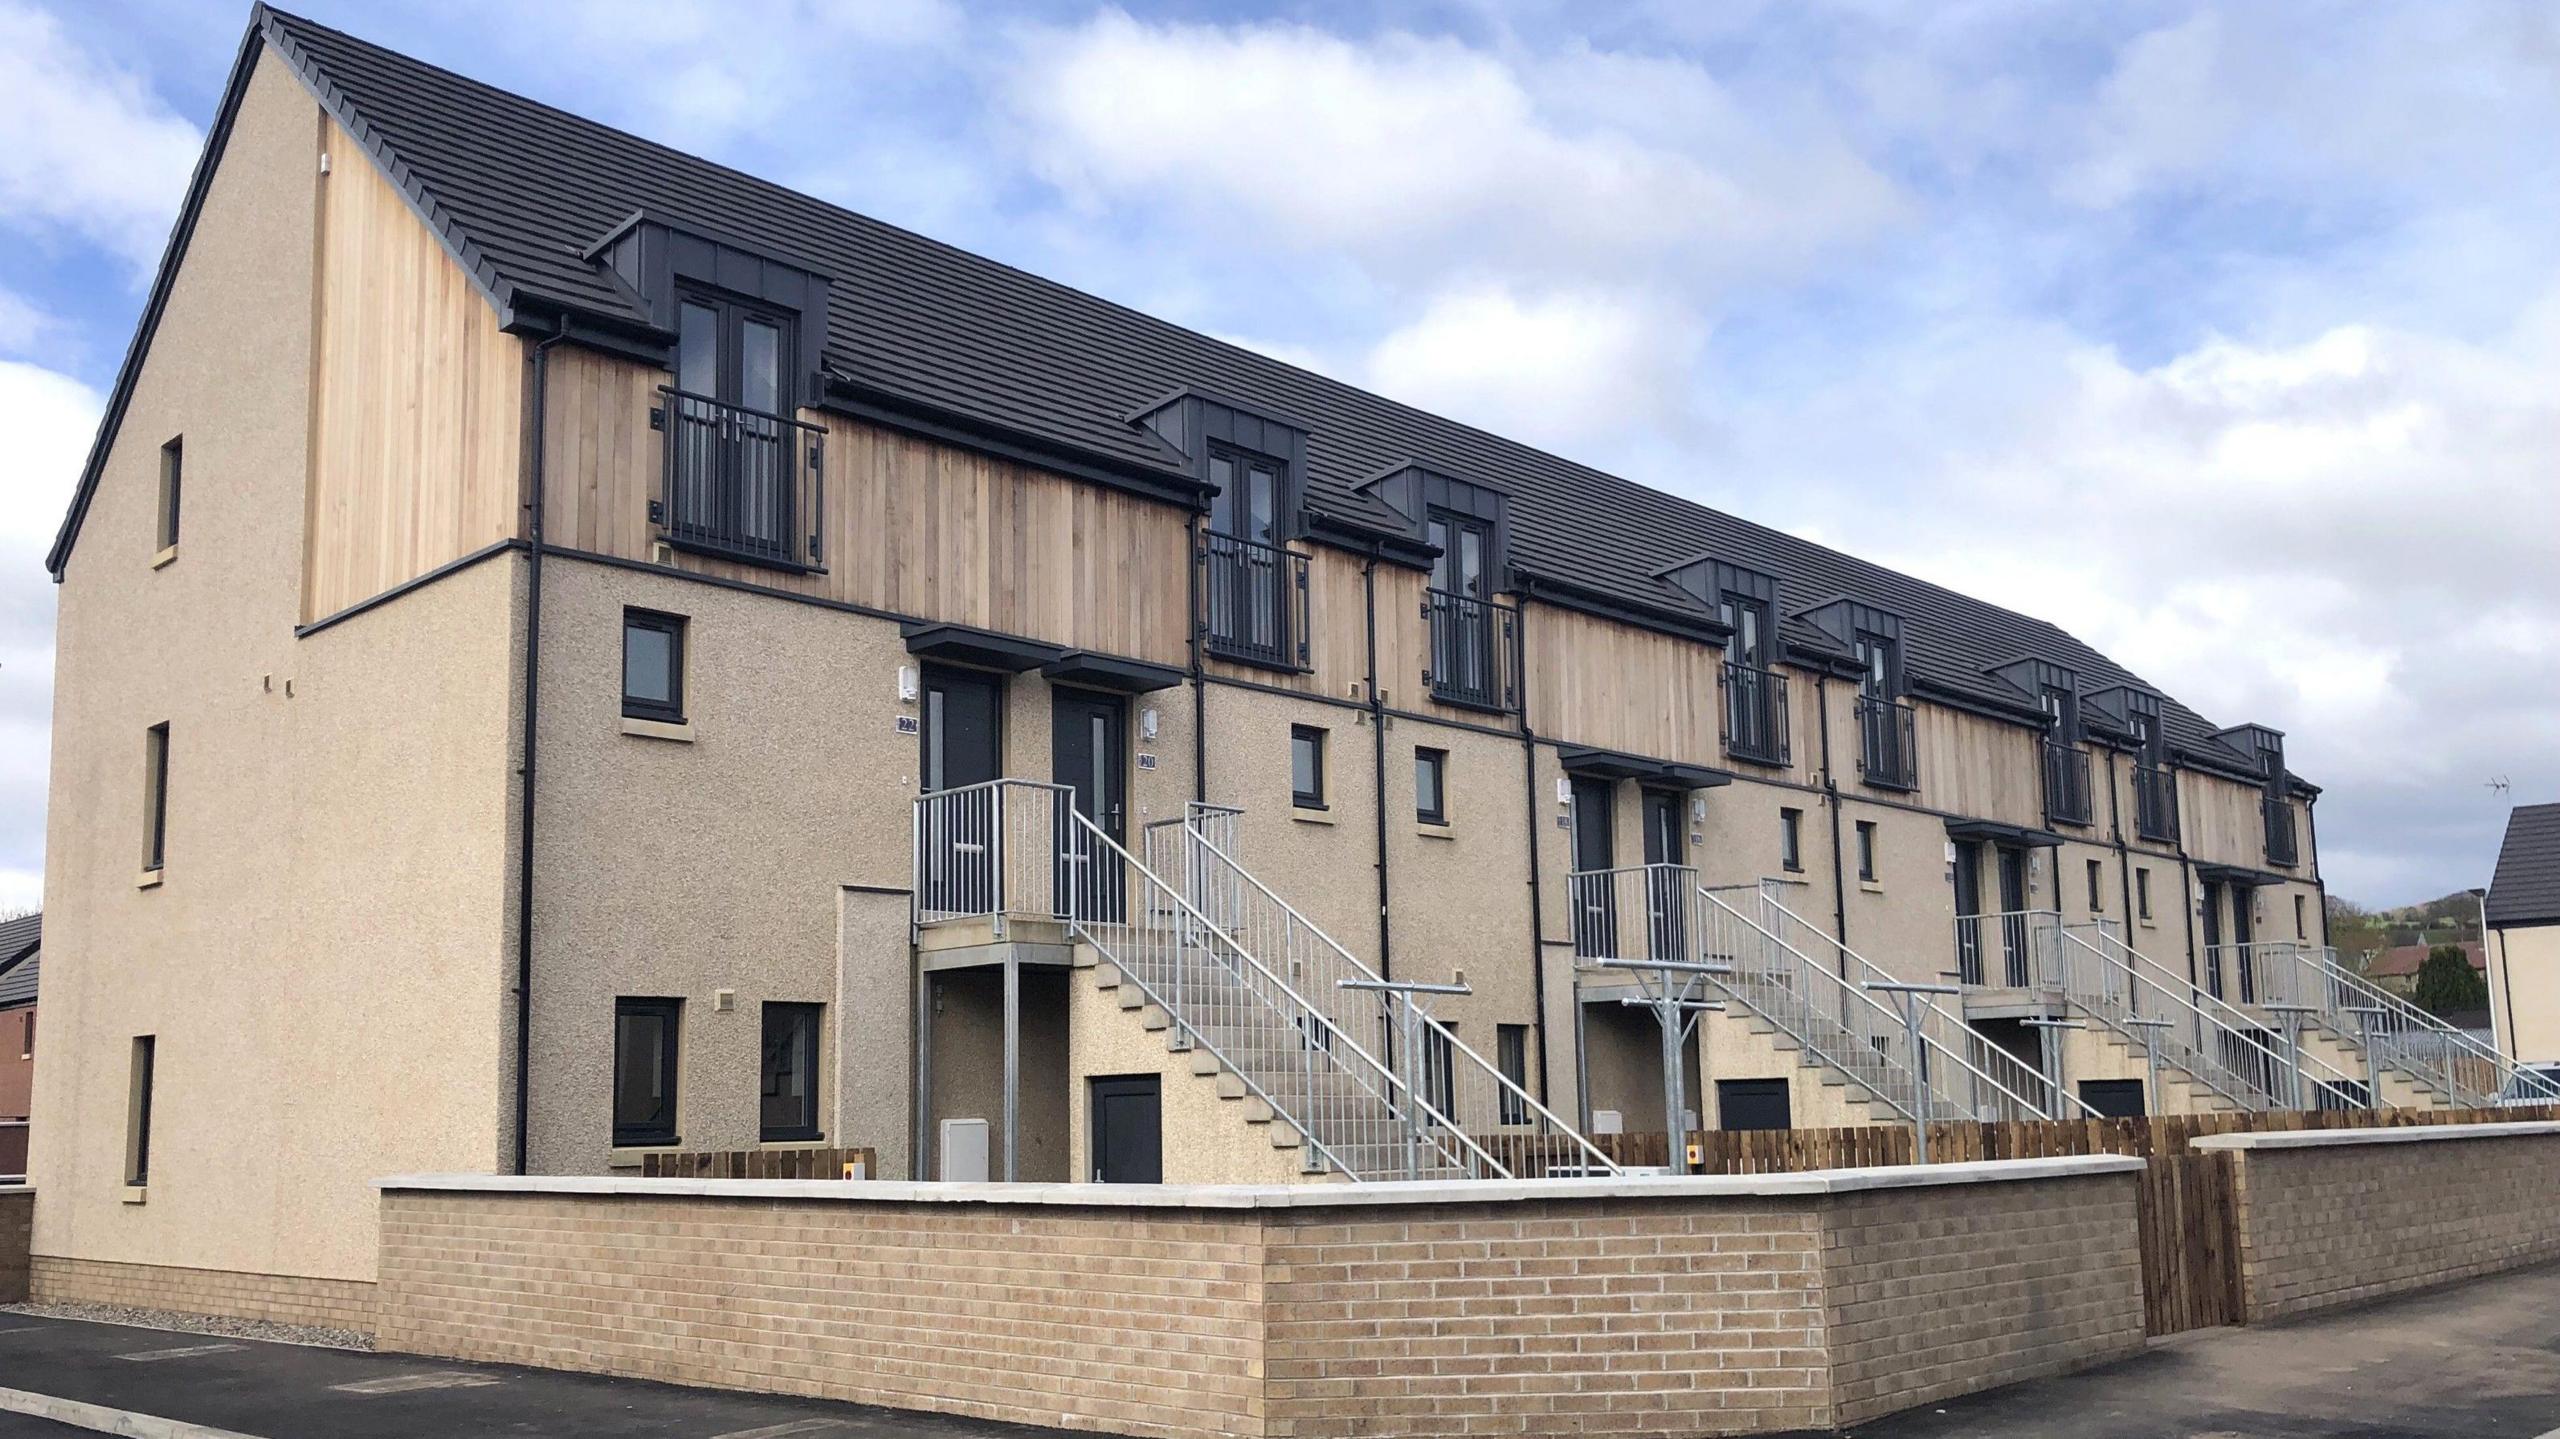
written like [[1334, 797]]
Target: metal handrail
[[1888, 743], [2066, 782], [1941, 1026], [1755, 714], [2225, 1016], [732, 480], [2106, 978], [1331, 969], [1253, 601], [2017, 952], [1475, 651], [2402, 1035]]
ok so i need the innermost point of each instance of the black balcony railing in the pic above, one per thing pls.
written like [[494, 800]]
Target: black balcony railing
[[741, 484], [1475, 651], [2155, 803], [1253, 602], [1755, 714], [2066, 783], [2282, 846], [1888, 744]]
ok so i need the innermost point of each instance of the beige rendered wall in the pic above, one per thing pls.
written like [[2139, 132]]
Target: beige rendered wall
[[2524, 989], [322, 963], [1207, 1139], [2361, 1214]]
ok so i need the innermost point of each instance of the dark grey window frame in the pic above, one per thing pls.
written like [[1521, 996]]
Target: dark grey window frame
[[1867, 852], [670, 1054], [811, 1045], [2142, 892], [1314, 737], [2097, 896], [1436, 763], [145, 1078], [1511, 1054], [155, 840], [173, 462], [674, 627], [1791, 840]]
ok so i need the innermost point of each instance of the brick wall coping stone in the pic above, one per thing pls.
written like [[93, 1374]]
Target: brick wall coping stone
[[2414, 1134], [1302, 1196]]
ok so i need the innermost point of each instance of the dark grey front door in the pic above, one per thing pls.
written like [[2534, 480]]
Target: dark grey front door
[[962, 744], [2113, 1098], [1666, 842], [1128, 1130], [1753, 1104], [2013, 918], [2244, 934], [1087, 741], [1595, 849], [1968, 913], [2213, 938]]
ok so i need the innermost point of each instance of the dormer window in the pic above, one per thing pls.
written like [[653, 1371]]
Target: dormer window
[[2066, 764], [1253, 588], [1247, 504], [1471, 635], [2155, 786]]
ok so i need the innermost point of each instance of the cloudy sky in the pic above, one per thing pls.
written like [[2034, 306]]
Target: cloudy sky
[[2226, 336]]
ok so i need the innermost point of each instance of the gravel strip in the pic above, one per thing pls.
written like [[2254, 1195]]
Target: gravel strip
[[316, 1335]]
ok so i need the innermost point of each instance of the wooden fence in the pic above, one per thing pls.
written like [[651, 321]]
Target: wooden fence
[[761, 1164]]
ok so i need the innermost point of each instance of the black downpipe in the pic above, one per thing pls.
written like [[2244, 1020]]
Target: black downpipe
[[2124, 855], [1378, 737], [1537, 907], [1831, 794], [2187, 898], [2320, 882], [525, 772], [1199, 678]]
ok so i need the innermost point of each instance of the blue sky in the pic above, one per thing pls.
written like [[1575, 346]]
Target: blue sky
[[2227, 337]]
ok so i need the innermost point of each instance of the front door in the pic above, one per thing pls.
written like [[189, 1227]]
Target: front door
[[1595, 850], [1087, 753], [1128, 1129], [1462, 654], [963, 746], [2213, 938], [1667, 889], [2013, 914], [2244, 934], [1968, 913], [733, 469]]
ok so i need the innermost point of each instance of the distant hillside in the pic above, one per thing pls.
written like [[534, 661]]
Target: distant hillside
[[2356, 931]]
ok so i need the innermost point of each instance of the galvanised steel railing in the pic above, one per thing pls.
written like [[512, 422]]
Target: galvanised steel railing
[[2252, 1048], [1253, 601], [1479, 1122], [1941, 1024], [739, 482], [1210, 893], [1475, 651], [1995, 950], [2446, 1060], [992, 850], [1755, 714], [2093, 968]]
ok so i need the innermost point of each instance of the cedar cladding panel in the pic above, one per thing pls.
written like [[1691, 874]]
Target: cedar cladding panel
[[913, 527], [416, 396], [1980, 768], [1593, 681]]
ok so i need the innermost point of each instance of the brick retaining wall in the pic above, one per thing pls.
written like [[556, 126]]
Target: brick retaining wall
[[224, 1293], [1706, 1305], [17, 1226], [2345, 1217]]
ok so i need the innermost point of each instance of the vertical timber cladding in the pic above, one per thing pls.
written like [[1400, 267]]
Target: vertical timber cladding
[[416, 441], [1594, 681], [912, 527]]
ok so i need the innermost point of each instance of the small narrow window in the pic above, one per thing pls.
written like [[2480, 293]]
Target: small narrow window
[[2300, 931], [1867, 850], [1791, 840], [2142, 893], [137, 1121], [644, 1070], [155, 797], [1431, 786], [653, 666], [172, 478], [1306, 767], [2096, 904], [790, 1072], [1511, 1051]]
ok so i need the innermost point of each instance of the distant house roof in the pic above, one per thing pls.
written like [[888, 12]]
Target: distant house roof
[[2404, 959], [18, 957], [521, 194], [2526, 888]]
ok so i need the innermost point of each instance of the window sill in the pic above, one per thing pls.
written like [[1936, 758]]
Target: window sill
[[2148, 923], [150, 879], [680, 732], [1428, 830], [1305, 815], [162, 559], [1870, 886], [814, 1141], [137, 1194], [630, 1157]]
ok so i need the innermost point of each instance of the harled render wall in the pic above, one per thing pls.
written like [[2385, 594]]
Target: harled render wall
[[1698, 1306]]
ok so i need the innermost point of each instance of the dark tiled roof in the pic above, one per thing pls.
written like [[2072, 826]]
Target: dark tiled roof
[[2404, 959], [18, 959], [2526, 888], [520, 190]]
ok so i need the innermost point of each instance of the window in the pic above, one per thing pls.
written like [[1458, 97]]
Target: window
[[2299, 932], [2142, 894], [2096, 904], [1440, 1070], [1431, 786], [735, 483], [155, 797], [790, 1072], [172, 474], [1511, 1051], [653, 666], [1791, 840], [1306, 766], [1867, 850], [137, 1121], [644, 1070]]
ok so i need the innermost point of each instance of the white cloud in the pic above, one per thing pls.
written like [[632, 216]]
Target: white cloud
[[85, 148], [1562, 369], [54, 417]]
